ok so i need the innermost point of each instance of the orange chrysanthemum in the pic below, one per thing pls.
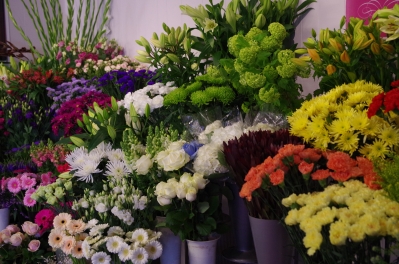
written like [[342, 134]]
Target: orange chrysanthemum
[[277, 177], [320, 175], [305, 168]]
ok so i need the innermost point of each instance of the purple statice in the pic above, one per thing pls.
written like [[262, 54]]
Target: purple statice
[[69, 90], [120, 82]]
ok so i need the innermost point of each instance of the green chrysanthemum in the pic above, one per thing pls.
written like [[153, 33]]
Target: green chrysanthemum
[[177, 96], [200, 98], [223, 94]]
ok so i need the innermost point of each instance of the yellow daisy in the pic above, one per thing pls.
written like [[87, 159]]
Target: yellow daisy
[[389, 135], [373, 127], [316, 126], [348, 141], [356, 98], [359, 121], [298, 122], [339, 126], [378, 149]]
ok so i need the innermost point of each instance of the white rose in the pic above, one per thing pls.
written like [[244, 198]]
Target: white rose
[[185, 178], [143, 165], [198, 178], [172, 160], [163, 201], [176, 145], [181, 191], [191, 194]]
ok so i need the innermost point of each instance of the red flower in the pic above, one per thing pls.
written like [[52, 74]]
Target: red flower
[[63, 168], [395, 84], [310, 154], [340, 162], [375, 105], [277, 177], [391, 100], [371, 180], [341, 176]]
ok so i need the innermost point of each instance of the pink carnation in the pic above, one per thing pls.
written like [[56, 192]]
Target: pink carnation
[[14, 185]]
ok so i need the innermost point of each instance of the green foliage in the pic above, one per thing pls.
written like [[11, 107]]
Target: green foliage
[[388, 170]]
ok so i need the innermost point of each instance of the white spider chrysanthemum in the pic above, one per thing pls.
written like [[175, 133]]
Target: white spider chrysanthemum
[[140, 256], [154, 249], [115, 231], [84, 172], [102, 150], [116, 154], [125, 253], [100, 258], [114, 244], [117, 169], [140, 235], [76, 158]]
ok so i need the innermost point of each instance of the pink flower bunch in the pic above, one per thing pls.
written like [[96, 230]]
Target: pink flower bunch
[[27, 182], [12, 235], [44, 218], [43, 153]]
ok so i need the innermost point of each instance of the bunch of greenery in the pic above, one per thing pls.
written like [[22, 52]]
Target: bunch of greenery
[[260, 73], [216, 24], [346, 55], [51, 30]]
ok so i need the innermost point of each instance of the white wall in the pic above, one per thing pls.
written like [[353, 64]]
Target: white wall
[[131, 19]]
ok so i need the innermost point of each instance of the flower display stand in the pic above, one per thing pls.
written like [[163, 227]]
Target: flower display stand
[[243, 251], [272, 242], [202, 252], [4, 217]]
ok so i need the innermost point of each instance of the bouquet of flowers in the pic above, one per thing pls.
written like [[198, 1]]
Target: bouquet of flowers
[[23, 246], [344, 124], [345, 222]]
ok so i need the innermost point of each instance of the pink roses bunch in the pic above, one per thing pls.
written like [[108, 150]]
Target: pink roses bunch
[[13, 236]]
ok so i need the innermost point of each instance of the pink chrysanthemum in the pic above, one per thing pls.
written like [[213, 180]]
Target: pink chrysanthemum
[[27, 182], [28, 201], [14, 185]]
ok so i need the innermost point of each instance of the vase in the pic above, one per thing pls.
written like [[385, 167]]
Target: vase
[[4, 218], [272, 242], [202, 252], [171, 245], [244, 250]]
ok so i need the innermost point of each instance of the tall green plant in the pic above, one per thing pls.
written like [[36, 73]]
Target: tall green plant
[[50, 26]]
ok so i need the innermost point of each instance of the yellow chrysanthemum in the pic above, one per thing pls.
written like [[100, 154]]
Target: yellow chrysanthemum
[[344, 112], [356, 98], [298, 122], [316, 126], [338, 233], [339, 126], [378, 149], [389, 135], [359, 121], [348, 141], [365, 150], [322, 140]]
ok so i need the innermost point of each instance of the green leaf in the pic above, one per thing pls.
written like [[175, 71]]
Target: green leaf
[[203, 207], [96, 140], [111, 132], [211, 222], [204, 229]]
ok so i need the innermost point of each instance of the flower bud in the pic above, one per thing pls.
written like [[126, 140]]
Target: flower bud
[[260, 21], [331, 69], [314, 55], [375, 48], [164, 60], [345, 57], [194, 66]]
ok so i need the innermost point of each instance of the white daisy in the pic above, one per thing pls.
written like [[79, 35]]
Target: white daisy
[[154, 249], [114, 244], [84, 172], [140, 235], [117, 169], [125, 253], [115, 231], [140, 256], [100, 258]]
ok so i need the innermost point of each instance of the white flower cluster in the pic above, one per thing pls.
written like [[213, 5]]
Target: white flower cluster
[[186, 188], [174, 157], [120, 199], [85, 164], [151, 95], [117, 63], [137, 246], [213, 137]]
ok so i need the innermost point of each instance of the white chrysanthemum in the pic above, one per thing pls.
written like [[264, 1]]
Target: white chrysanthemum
[[125, 253], [114, 244], [140, 235], [85, 171], [115, 231], [102, 150], [117, 169], [154, 249], [76, 158], [100, 258], [116, 154], [140, 256]]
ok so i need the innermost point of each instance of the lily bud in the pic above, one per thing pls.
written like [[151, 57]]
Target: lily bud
[[162, 40], [142, 59], [194, 66], [345, 57], [157, 43], [331, 69], [327, 51], [143, 52], [388, 48], [187, 45], [314, 55], [335, 44], [375, 48], [358, 42], [231, 18], [299, 62], [301, 51], [145, 43], [260, 21], [164, 60], [173, 57], [166, 28], [366, 44]]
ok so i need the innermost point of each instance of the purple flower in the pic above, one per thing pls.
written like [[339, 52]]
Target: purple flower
[[28, 115], [191, 148]]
